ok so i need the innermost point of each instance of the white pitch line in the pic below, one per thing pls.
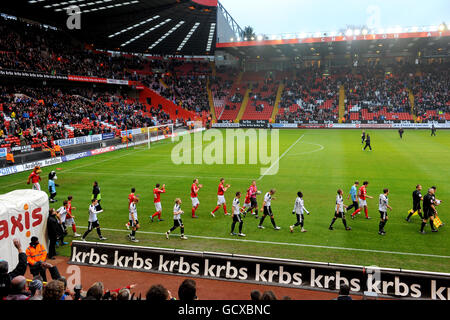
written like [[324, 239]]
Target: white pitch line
[[289, 244], [139, 174], [279, 158]]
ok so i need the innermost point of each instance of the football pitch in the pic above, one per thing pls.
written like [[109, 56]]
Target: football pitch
[[317, 162]]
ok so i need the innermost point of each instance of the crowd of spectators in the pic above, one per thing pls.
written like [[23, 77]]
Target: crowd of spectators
[[374, 90], [430, 87], [31, 47], [307, 93], [37, 115]]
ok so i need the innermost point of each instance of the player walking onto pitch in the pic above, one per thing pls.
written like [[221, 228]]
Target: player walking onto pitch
[[339, 211], [93, 221], [400, 132], [383, 205], [433, 130], [157, 200], [131, 197], [65, 220], [299, 207], [221, 197], [194, 196], [362, 194], [363, 137], [368, 143], [34, 177], [133, 216], [267, 209], [429, 211], [177, 212], [417, 197], [236, 215], [70, 218], [353, 194], [253, 192]]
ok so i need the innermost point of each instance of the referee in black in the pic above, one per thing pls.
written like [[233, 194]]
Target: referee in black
[[363, 137], [417, 197], [400, 132], [368, 143], [429, 211], [433, 130]]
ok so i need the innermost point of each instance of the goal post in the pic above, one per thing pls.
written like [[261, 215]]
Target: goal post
[[158, 133]]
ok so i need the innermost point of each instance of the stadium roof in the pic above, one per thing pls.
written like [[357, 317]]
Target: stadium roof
[[185, 27], [429, 43]]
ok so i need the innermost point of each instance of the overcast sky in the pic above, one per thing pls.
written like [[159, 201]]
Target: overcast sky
[[294, 16]]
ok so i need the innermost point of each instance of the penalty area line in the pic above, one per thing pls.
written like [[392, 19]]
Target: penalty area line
[[281, 157], [287, 244]]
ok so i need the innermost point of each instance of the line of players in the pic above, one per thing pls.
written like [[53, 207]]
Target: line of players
[[357, 194]]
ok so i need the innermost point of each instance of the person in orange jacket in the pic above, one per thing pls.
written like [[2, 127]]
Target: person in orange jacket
[[36, 256]]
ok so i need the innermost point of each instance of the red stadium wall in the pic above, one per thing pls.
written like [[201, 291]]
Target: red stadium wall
[[167, 105]]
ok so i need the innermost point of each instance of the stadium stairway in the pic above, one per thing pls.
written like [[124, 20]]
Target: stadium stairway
[[341, 103], [213, 68], [212, 109], [168, 106], [161, 81], [277, 101], [412, 103], [244, 103]]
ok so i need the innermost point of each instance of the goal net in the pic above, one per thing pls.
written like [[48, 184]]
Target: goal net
[[149, 135]]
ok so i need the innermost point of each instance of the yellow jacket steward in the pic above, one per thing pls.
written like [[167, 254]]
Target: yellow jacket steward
[[36, 254]]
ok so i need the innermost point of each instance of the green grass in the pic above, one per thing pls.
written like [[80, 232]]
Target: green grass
[[320, 163]]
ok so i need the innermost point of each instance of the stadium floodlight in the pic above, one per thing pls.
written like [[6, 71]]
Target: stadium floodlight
[[231, 39], [441, 27], [365, 32], [238, 39], [356, 32], [245, 38], [259, 37], [349, 33]]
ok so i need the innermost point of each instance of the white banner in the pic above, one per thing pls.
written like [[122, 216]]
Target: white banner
[[23, 214]]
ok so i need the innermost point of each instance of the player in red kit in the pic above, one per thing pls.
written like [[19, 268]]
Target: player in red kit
[[221, 197], [157, 200], [131, 198], [362, 194], [247, 203], [34, 177], [194, 196], [70, 217]]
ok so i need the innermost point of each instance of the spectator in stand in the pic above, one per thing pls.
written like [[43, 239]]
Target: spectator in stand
[[19, 270], [35, 287], [268, 295], [255, 295], [187, 292], [53, 291], [18, 289], [158, 293], [95, 292], [344, 293]]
